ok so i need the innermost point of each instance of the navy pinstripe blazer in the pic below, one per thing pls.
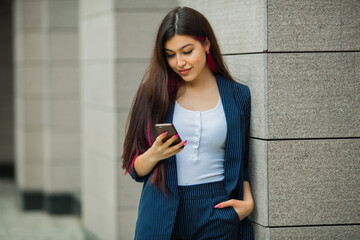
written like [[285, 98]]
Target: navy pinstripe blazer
[[157, 212]]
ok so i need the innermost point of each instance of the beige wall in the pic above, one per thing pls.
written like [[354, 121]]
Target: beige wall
[[78, 65], [47, 125], [301, 62]]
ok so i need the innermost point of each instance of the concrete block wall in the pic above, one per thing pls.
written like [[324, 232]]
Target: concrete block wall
[[29, 94], [47, 104], [62, 127], [6, 89], [303, 71]]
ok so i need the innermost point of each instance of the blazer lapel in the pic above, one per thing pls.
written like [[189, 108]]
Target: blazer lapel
[[233, 150]]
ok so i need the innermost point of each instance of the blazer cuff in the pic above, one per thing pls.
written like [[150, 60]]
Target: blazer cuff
[[134, 175]]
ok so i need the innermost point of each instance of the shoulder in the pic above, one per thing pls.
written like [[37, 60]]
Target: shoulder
[[243, 98], [242, 91], [242, 88]]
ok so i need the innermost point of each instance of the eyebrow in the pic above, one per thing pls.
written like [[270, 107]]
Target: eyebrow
[[180, 48]]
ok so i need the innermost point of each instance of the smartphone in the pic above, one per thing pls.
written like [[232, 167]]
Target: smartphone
[[170, 128]]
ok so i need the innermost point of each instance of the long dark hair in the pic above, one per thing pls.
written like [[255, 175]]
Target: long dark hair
[[159, 86]]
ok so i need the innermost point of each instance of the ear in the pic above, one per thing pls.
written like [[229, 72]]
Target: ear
[[207, 45]]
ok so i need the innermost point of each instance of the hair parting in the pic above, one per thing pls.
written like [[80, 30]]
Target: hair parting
[[176, 23]]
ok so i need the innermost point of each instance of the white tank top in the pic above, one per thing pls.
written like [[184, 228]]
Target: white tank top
[[202, 159]]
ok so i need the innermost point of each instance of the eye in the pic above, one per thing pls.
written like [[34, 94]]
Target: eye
[[169, 55], [188, 52]]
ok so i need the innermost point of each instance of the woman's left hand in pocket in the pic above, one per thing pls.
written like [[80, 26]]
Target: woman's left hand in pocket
[[242, 208]]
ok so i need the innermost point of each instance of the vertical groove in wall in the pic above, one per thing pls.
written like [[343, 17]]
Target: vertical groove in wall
[[267, 114]]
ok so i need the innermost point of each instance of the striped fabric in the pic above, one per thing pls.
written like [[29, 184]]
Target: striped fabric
[[157, 212], [198, 219]]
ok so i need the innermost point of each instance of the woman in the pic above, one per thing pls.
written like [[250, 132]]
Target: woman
[[198, 188]]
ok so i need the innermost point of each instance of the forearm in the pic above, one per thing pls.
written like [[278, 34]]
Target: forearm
[[144, 164], [159, 151], [247, 194]]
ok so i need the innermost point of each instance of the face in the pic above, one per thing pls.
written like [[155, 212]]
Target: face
[[186, 56]]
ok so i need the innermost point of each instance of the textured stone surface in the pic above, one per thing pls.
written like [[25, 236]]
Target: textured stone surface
[[64, 46], [145, 5], [129, 76], [98, 84], [251, 70], [240, 26], [259, 180], [313, 95], [30, 80], [33, 112], [29, 14], [100, 171], [261, 232], [127, 221], [350, 22], [135, 33], [62, 177], [98, 38], [90, 7], [129, 191], [103, 78], [29, 46], [308, 232], [34, 145], [65, 146], [357, 73], [63, 14], [64, 80], [32, 176], [98, 217], [65, 113], [314, 182], [313, 25], [100, 140], [316, 233]]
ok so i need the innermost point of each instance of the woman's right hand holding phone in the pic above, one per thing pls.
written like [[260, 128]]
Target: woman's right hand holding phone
[[158, 151], [162, 150]]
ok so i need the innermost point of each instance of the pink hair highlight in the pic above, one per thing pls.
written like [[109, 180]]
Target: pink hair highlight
[[150, 142], [149, 132], [133, 162]]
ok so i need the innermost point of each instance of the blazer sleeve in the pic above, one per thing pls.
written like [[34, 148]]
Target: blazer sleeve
[[247, 135], [133, 173], [243, 99]]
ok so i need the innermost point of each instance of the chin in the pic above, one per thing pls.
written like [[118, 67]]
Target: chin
[[187, 78]]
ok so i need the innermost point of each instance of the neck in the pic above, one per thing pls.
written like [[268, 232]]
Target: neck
[[205, 79]]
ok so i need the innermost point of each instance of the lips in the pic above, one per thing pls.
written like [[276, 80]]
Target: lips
[[184, 71]]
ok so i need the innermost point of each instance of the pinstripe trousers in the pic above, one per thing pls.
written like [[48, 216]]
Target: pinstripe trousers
[[197, 219]]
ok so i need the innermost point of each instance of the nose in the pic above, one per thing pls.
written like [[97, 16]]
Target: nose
[[180, 62]]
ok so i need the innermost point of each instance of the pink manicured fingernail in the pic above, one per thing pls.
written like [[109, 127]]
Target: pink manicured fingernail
[[176, 135], [217, 206], [165, 133], [185, 142]]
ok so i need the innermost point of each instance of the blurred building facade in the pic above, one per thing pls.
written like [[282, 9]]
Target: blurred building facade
[[76, 67]]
